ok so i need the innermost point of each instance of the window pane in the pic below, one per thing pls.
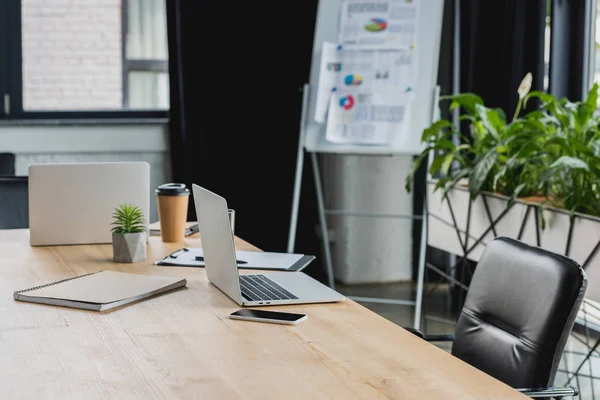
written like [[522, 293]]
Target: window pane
[[146, 55], [146, 36], [148, 90], [73, 55]]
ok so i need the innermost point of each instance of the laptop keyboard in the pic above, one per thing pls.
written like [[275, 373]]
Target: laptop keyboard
[[261, 288]]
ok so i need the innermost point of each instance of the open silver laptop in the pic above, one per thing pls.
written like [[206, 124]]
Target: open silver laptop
[[73, 203], [248, 290]]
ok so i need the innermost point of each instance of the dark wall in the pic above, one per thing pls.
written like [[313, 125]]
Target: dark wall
[[236, 74]]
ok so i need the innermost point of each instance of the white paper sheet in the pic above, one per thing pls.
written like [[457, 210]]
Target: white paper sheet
[[329, 70], [369, 71], [246, 259], [366, 118], [378, 24], [363, 71]]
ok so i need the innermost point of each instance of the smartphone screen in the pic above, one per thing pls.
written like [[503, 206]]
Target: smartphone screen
[[263, 314]]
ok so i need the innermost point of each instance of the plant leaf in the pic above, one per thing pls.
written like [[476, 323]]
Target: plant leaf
[[416, 164], [570, 162], [433, 131], [481, 172], [516, 193], [544, 97], [596, 147], [444, 144], [128, 218], [436, 164], [465, 100], [501, 115], [489, 119], [463, 173], [589, 106], [447, 163]]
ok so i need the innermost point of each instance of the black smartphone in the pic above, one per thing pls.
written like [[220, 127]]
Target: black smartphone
[[274, 317]]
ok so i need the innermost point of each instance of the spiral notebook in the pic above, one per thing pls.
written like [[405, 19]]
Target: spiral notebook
[[100, 290]]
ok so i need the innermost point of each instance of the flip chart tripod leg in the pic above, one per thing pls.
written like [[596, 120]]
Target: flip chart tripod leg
[[424, 223], [322, 220], [299, 169], [296, 201], [421, 267]]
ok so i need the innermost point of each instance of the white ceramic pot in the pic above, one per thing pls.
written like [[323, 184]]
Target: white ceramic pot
[[452, 227]]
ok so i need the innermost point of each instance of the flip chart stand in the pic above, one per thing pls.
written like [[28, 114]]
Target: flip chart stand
[[323, 212]]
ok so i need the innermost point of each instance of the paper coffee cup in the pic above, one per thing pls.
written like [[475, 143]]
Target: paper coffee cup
[[172, 201]]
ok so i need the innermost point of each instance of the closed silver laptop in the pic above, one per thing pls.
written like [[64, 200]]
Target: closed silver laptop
[[248, 290], [73, 203]]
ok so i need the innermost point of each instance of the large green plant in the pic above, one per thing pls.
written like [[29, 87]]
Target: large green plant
[[572, 131], [497, 155], [552, 151]]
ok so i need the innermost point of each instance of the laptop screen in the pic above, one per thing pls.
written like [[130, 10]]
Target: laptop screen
[[217, 242]]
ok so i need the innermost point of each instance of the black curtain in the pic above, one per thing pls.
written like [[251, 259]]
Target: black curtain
[[236, 71], [570, 48], [501, 41], [444, 81]]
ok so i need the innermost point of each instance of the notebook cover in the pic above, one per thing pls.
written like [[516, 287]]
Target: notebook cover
[[100, 288]]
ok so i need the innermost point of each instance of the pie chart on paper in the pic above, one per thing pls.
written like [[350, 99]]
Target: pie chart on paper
[[376, 25], [353, 80], [347, 102]]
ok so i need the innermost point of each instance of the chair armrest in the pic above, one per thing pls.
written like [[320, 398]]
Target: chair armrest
[[551, 392], [431, 338], [439, 338]]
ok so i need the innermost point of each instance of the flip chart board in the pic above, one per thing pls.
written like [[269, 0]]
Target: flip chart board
[[418, 114]]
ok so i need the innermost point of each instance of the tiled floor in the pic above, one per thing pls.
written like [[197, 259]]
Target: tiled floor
[[438, 319]]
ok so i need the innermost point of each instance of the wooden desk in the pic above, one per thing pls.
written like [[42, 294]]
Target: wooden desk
[[182, 345]]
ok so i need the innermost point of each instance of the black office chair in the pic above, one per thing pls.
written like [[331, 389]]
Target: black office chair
[[7, 164], [518, 315], [14, 202]]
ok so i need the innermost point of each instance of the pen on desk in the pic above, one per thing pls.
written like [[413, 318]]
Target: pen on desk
[[178, 253], [200, 258], [192, 229]]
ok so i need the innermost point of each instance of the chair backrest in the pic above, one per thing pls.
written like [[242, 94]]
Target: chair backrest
[[519, 312], [7, 164], [14, 202]]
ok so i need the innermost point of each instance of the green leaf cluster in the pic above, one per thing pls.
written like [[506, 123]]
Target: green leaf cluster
[[128, 218], [552, 151]]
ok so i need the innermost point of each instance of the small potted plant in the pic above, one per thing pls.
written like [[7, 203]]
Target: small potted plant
[[129, 234]]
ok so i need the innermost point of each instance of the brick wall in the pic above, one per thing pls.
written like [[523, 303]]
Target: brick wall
[[72, 54]]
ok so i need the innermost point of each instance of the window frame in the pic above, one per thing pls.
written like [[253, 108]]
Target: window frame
[[4, 55], [592, 45], [11, 79]]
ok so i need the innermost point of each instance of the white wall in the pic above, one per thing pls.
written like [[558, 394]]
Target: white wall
[[50, 144], [72, 54]]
